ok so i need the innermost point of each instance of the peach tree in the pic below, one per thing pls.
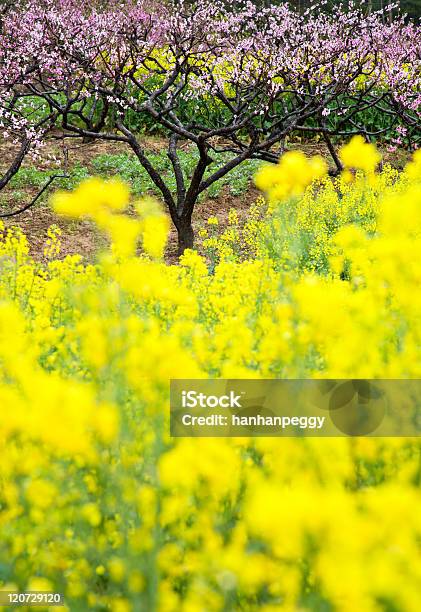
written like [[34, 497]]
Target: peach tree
[[253, 77]]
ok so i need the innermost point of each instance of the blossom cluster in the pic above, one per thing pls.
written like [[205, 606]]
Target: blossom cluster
[[250, 57]]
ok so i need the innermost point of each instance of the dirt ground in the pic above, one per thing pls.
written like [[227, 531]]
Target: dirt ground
[[81, 236]]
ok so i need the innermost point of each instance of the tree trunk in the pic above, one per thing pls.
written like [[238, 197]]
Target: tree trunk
[[185, 236]]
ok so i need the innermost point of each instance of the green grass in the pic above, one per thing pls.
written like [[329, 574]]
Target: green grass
[[32, 177], [129, 169]]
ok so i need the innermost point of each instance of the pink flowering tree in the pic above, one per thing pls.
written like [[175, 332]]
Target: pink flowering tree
[[25, 120], [264, 73]]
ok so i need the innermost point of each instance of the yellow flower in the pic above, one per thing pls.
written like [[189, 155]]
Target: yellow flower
[[106, 422], [233, 217], [413, 168], [91, 197], [193, 261], [123, 231], [37, 583], [117, 569], [155, 227], [360, 155], [41, 493], [92, 514], [290, 176]]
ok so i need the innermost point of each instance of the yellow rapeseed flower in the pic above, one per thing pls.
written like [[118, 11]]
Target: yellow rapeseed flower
[[91, 197], [360, 155], [290, 176]]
